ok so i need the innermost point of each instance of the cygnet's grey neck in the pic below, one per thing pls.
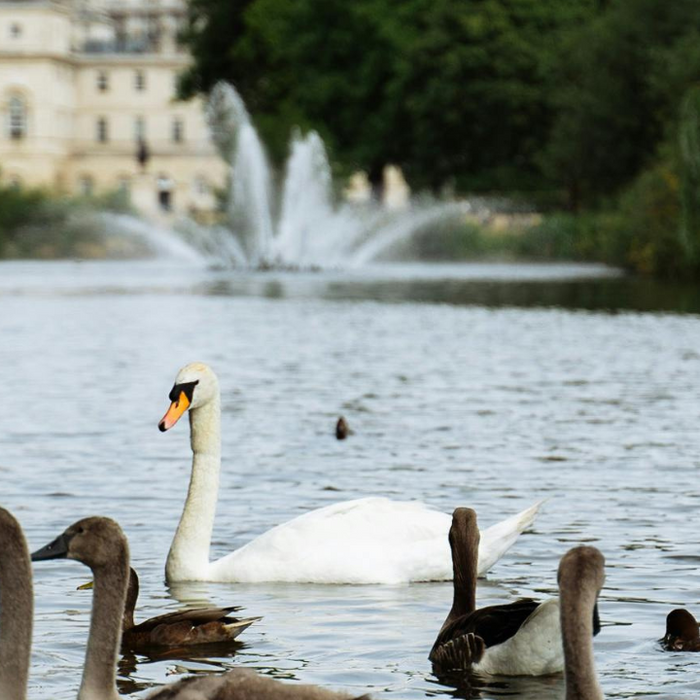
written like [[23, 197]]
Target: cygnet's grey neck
[[16, 615], [99, 673], [577, 633], [188, 558]]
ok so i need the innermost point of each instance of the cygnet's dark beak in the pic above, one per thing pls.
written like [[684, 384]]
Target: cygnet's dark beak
[[58, 549]]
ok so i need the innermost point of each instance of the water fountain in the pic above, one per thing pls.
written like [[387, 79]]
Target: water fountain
[[302, 225]]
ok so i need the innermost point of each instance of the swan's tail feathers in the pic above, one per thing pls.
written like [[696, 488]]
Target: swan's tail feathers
[[499, 538], [458, 654]]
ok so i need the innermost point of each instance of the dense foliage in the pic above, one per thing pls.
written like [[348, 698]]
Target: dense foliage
[[447, 89], [38, 224], [618, 89]]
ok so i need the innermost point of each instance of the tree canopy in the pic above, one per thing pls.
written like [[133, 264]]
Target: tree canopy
[[568, 95], [444, 88], [619, 86]]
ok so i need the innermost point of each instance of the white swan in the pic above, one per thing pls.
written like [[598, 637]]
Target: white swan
[[368, 540]]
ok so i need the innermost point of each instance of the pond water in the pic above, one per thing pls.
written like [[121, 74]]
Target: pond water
[[491, 386]]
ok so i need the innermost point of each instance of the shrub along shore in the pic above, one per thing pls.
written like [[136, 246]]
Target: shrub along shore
[[36, 224]]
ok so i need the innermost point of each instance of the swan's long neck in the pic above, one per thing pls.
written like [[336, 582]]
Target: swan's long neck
[[100, 671], [16, 615], [576, 612], [465, 555], [464, 572], [188, 559]]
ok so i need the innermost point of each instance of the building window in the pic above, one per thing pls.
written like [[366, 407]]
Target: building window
[[102, 81], [86, 185], [139, 129], [102, 130], [15, 30], [178, 130], [17, 118], [140, 80]]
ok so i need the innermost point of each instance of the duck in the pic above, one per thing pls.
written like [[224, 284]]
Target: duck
[[16, 609], [522, 638], [183, 628], [681, 631], [366, 540], [99, 543], [581, 576], [342, 429]]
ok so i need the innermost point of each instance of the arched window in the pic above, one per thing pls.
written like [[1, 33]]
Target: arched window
[[17, 117]]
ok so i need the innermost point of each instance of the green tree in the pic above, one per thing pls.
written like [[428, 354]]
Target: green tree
[[211, 33], [477, 93], [689, 137], [617, 92], [443, 88]]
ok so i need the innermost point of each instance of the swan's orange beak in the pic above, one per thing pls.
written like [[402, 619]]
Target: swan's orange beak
[[174, 413]]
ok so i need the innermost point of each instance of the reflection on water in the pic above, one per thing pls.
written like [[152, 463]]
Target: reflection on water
[[538, 688], [572, 286], [479, 388]]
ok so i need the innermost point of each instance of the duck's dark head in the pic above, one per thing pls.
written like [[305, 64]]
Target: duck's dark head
[[342, 429], [681, 629]]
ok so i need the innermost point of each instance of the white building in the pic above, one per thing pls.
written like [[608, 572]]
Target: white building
[[88, 86]]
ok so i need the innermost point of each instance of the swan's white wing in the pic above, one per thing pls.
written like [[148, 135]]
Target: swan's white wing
[[368, 540], [499, 538]]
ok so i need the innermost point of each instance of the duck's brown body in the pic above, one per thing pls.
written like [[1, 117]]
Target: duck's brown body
[[183, 628]]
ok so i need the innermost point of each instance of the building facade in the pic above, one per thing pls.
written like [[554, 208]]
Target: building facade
[[87, 95]]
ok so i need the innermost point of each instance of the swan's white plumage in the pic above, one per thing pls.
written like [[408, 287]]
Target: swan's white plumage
[[368, 540], [534, 650]]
